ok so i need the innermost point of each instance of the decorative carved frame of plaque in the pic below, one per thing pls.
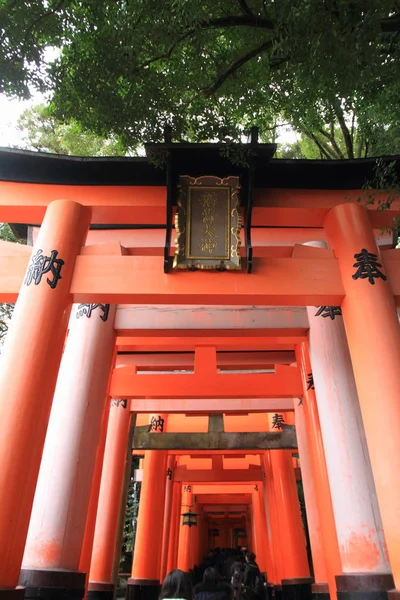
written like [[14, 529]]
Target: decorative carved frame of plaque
[[207, 223]]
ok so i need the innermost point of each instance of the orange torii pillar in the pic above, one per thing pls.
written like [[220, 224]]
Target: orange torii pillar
[[57, 525], [318, 465], [267, 538], [184, 550], [195, 539], [87, 544], [320, 588], [167, 515], [175, 526], [101, 584], [296, 581], [200, 547], [249, 530], [373, 335], [28, 368], [364, 561], [275, 575], [203, 537], [260, 529], [145, 580]]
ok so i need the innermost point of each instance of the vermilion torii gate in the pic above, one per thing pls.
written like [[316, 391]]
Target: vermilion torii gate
[[165, 343]]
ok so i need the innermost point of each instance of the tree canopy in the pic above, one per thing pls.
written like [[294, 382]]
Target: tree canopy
[[41, 131], [212, 69]]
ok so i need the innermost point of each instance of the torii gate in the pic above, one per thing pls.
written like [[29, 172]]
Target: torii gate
[[123, 266]]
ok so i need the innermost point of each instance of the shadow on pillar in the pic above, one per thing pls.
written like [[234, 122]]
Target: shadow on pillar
[[365, 586], [142, 589], [101, 591], [297, 589], [320, 591], [16, 594], [53, 584], [278, 592], [269, 592]]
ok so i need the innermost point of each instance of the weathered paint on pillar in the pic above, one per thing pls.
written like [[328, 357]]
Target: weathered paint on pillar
[[167, 515], [358, 524], [29, 361], [60, 507], [184, 551], [145, 580], [373, 336], [310, 495], [112, 479]]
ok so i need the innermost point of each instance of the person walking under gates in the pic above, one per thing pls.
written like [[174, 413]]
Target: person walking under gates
[[253, 580], [176, 585], [237, 577], [213, 587]]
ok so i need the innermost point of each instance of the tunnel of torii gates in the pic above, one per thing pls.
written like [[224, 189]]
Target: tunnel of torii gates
[[230, 384]]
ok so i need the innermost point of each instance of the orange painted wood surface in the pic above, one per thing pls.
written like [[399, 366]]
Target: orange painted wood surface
[[286, 382], [210, 405], [27, 202], [140, 280]]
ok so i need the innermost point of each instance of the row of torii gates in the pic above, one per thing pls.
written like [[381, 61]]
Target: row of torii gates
[[217, 379]]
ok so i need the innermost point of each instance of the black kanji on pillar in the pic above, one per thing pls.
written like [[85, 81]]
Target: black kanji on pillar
[[310, 382], [87, 309], [367, 267], [187, 488], [40, 265], [328, 311], [156, 424], [169, 473], [278, 422], [123, 403]]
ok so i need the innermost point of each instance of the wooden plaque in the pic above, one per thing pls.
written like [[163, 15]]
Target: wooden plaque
[[207, 223]]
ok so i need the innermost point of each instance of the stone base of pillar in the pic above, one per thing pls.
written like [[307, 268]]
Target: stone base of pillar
[[364, 586], [392, 595], [100, 591], [269, 591], [142, 589], [14, 594], [320, 591], [297, 589], [278, 592], [52, 584]]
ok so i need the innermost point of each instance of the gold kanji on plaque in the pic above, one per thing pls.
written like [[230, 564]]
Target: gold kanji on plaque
[[208, 223]]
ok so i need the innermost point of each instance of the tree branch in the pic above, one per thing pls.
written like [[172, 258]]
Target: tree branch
[[40, 18], [325, 150], [165, 54], [239, 63], [331, 138], [246, 9], [221, 22], [238, 21], [345, 131]]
